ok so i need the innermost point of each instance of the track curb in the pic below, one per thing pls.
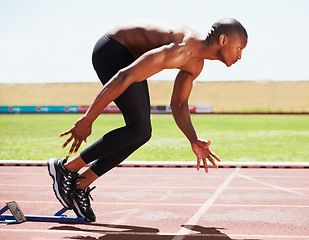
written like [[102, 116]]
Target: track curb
[[171, 164]]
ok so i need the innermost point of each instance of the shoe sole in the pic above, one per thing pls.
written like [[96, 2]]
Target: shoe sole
[[76, 210], [52, 173], [79, 213]]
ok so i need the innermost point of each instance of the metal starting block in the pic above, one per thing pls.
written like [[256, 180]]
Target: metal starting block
[[17, 216]]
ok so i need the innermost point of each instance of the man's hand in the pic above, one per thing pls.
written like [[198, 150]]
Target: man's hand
[[79, 132], [202, 151]]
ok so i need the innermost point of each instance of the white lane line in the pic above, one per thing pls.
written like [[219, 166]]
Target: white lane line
[[271, 185], [110, 203], [111, 187], [159, 187], [260, 206], [112, 175], [109, 175], [203, 209], [113, 233], [167, 204]]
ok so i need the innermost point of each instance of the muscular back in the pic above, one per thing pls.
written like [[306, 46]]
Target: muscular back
[[143, 35]]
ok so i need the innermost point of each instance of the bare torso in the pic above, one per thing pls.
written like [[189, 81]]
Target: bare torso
[[143, 35]]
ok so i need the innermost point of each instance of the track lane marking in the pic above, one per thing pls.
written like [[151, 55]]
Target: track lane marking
[[166, 204], [271, 185], [203, 209], [110, 233], [148, 187]]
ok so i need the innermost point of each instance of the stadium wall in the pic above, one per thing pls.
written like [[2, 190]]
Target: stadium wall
[[83, 109], [224, 97]]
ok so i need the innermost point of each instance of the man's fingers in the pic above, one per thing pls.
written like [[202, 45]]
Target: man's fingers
[[67, 142], [215, 156], [205, 165], [212, 161], [65, 133], [72, 147], [77, 146], [198, 164]]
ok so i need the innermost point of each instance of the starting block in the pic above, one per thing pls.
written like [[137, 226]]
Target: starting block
[[17, 216]]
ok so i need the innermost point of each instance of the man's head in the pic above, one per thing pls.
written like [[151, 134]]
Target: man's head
[[230, 37]]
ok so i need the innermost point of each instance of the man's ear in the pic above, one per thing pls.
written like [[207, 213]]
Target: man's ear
[[222, 40]]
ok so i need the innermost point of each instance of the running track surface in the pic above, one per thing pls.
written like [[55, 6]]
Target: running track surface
[[168, 204]]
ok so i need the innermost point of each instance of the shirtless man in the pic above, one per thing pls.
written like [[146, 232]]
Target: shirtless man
[[123, 58]]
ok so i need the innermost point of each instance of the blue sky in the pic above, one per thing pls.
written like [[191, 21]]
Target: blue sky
[[52, 40]]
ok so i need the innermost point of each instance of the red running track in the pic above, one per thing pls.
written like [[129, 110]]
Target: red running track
[[168, 204]]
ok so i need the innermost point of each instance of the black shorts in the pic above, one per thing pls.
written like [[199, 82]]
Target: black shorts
[[109, 56]]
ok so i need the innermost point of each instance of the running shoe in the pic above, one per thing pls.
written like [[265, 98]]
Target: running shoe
[[64, 181], [81, 199]]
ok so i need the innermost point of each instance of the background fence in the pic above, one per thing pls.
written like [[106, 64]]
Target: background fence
[[224, 97]]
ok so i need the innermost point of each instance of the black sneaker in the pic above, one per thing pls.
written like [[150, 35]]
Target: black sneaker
[[64, 181], [82, 206]]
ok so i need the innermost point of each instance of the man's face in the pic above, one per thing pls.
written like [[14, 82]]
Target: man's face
[[232, 47]]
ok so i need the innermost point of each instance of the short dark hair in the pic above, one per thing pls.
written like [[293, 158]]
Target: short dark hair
[[226, 26]]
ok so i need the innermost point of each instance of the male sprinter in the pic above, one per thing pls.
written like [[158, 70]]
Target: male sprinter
[[123, 58]]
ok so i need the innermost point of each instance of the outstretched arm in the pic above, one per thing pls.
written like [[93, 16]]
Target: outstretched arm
[[150, 63], [181, 114]]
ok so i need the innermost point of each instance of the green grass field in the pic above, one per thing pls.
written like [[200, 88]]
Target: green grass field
[[280, 138]]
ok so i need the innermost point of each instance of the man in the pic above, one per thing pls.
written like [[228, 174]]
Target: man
[[123, 58]]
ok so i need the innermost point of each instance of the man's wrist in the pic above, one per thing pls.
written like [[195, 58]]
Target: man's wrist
[[193, 139], [87, 119]]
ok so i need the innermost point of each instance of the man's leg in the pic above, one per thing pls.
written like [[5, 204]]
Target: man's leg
[[74, 163], [118, 144], [115, 146], [109, 56], [105, 164]]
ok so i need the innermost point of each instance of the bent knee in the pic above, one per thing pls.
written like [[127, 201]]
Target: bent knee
[[147, 136], [144, 132]]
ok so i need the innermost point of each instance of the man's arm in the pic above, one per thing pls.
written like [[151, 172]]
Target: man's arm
[[180, 109], [179, 104], [150, 63]]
